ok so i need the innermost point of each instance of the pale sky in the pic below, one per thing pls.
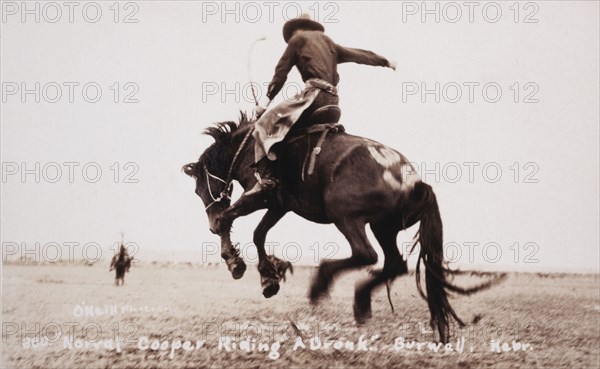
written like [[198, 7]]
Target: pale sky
[[181, 58]]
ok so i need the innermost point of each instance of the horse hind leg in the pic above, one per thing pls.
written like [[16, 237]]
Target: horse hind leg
[[393, 267], [362, 254]]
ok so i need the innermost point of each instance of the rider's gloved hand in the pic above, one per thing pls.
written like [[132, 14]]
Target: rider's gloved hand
[[259, 111], [392, 64], [261, 107]]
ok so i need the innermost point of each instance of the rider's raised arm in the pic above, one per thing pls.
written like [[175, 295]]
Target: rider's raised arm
[[350, 55], [285, 64]]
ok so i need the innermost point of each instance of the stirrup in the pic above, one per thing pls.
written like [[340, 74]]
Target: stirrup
[[265, 183]]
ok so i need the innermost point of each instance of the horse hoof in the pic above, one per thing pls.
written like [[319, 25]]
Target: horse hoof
[[270, 289], [362, 318], [362, 313], [314, 299], [316, 296], [319, 288], [237, 268]]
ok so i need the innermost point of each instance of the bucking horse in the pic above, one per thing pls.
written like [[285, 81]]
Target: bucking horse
[[329, 176]]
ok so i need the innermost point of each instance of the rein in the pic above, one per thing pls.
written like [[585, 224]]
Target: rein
[[237, 153], [226, 193]]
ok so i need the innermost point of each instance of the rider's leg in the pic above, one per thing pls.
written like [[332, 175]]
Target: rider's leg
[[264, 171]]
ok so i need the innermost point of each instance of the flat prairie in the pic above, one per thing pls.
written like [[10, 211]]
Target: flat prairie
[[194, 316]]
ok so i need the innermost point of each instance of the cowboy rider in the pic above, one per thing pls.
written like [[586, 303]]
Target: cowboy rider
[[316, 56]]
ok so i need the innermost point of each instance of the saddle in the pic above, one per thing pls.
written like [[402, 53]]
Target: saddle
[[324, 120], [325, 114]]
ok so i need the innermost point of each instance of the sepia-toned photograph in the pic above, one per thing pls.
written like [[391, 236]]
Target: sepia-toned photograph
[[300, 184]]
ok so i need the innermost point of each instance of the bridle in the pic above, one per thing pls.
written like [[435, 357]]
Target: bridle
[[226, 193]]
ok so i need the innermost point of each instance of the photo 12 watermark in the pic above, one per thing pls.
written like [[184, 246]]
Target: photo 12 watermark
[[70, 334], [70, 172], [476, 172], [91, 12], [463, 252], [269, 11], [70, 92], [470, 12], [470, 92], [237, 92], [53, 252]]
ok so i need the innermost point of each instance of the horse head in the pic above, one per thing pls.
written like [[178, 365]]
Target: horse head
[[212, 171]]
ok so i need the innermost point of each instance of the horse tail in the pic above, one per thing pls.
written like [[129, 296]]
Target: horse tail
[[290, 267], [430, 237]]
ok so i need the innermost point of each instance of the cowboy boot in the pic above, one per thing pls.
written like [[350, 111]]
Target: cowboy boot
[[264, 172]]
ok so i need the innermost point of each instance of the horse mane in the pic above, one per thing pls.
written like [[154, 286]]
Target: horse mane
[[223, 132]]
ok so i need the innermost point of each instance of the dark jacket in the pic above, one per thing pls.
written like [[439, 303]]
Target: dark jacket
[[317, 56]]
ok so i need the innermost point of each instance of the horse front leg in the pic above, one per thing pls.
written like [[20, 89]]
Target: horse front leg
[[244, 206], [231, 255], [269, 279]]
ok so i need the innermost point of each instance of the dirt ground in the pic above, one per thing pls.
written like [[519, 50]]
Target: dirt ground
[[192, 316]]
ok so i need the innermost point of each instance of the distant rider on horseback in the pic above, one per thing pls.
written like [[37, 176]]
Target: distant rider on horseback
[[121, 262], [316, 56]]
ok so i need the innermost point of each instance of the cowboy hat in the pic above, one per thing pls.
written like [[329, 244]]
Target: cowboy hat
[[303, 22]]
